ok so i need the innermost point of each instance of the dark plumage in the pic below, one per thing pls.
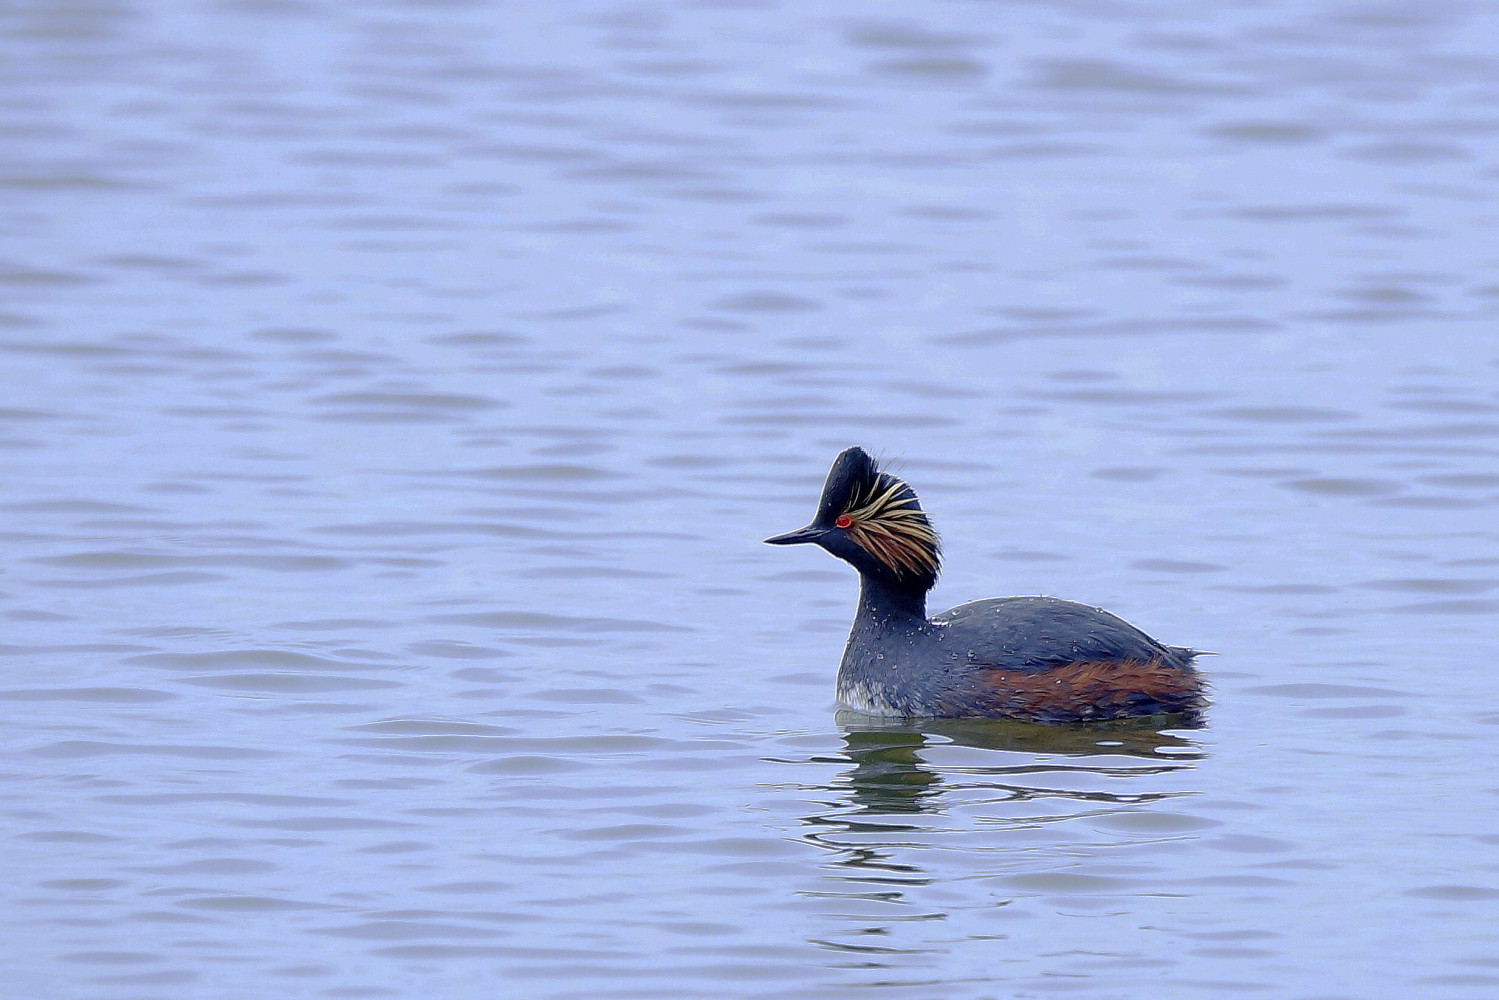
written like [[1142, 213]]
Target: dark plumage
[[1033, 658]]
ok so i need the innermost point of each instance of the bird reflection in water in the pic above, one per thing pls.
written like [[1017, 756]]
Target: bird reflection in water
[[1041, 774], [891, 776], [891, 804]]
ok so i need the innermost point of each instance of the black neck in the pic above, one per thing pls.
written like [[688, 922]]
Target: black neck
[[881, 599]]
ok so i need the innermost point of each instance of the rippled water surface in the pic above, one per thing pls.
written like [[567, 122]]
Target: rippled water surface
[[397, 393]]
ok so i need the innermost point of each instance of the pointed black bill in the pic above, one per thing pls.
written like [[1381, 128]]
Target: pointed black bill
[[798, 537]]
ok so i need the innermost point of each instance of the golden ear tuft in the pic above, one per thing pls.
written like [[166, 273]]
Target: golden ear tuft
[[890, 525]]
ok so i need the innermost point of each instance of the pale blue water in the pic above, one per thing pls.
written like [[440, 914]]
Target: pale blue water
[[398, 393]]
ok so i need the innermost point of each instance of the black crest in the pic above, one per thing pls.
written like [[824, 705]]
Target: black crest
[[854, 473], [884, 517]]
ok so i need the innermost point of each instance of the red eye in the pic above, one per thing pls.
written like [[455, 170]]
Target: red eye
[[844, 521]]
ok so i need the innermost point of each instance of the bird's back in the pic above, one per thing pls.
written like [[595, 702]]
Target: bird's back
[[1058, 661], [1034, 633]]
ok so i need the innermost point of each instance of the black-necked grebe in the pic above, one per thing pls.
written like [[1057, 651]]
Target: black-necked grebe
[[1033, 658]]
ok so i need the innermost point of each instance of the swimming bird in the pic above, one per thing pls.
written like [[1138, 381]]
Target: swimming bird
[[1038, 659]]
